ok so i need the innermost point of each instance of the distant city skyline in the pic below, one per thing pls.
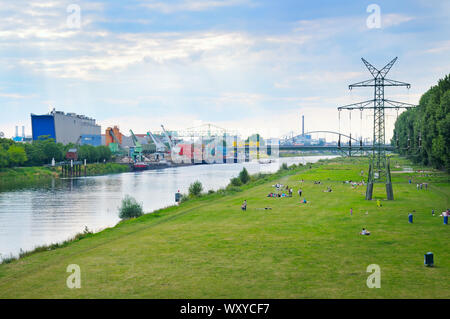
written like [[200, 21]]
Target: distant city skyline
[[246, 65]]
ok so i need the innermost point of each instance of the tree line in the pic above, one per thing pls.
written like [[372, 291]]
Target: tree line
[[423, 133], [42, 151]]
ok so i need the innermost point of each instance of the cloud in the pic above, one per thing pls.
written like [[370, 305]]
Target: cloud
[[394, 19], [192, 5], [439, 47]]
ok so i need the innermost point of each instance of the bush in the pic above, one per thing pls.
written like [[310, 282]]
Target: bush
[[184, 198], [284, 167], [236, 181], [244, 176], [130, 208], [233, 189], [195, 189]]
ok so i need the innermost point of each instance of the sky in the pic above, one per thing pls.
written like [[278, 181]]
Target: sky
[[245, 65]]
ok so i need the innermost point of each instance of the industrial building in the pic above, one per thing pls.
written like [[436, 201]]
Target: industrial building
[[66, 128]]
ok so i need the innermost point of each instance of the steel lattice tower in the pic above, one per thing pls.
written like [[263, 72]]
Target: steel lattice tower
[[379, 170]]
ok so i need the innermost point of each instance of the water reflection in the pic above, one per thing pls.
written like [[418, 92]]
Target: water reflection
[[58, 210]]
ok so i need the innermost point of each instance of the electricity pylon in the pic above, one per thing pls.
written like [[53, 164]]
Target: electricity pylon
[[379, 170]]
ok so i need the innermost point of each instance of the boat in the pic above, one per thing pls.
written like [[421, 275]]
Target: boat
[[265, 161], [139, 166]]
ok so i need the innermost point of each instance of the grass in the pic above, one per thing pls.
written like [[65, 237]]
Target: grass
[[208, 248]]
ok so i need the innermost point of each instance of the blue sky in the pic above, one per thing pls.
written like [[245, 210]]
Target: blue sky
[[247, 65]]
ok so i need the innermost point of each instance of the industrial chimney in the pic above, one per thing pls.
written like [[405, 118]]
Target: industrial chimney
[[23, 131], [303, 125], [17, 130]]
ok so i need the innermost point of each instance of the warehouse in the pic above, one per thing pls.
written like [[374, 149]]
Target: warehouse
[[66, 128]]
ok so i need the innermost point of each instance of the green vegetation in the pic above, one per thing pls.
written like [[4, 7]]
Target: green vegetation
[[244, 176], [30, 176], [208, 248], [195, 189], [41, 152], [423, 133], [306, 153], [106, 168], [23, 176], [236, 181], [130, 208]]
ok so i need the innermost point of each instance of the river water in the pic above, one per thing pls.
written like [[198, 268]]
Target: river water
[[52, 213]]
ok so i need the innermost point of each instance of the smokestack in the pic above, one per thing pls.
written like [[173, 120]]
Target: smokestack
[[303, 125], [17, 131], [23, 131]]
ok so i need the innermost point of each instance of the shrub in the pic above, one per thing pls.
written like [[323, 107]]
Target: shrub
[[244, 176], [130, 208], [195, 189], [211, 191], [284, 167], [184, 198], [233, 189], [236, 181]]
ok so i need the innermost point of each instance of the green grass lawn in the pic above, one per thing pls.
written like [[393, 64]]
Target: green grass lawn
[[209, 248]]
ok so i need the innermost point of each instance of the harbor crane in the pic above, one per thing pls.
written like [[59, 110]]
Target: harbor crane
[[173, 148], [115, 147], [160, 147], [136, 153]]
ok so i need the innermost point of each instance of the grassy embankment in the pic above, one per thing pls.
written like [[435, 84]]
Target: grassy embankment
[[30, 175], [209, 248], [305, 153]]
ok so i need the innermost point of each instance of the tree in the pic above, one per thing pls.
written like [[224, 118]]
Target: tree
[[244, 176], [104, 153], [423, 133], [16, 155], [195, 189], [4, 162]]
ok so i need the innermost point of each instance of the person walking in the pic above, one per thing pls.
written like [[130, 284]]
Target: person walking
[[351, 211], [300, 192]]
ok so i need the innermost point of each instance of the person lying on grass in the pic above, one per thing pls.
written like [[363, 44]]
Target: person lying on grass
[[364, 232]]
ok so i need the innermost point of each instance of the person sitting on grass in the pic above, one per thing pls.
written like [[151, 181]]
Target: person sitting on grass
[[364, 232], [304, 201], [244, 205]]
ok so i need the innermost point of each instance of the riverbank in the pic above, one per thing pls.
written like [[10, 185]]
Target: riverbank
[[22, 176], [209, 248], [306, 153]]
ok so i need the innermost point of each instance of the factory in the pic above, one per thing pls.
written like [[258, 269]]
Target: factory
[[66, 128]]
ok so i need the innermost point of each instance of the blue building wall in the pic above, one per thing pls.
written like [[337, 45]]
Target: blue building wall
[[95, 140], [42, 125]]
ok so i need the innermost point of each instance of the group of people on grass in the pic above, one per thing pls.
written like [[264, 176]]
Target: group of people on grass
[[282, 191], [422, 186]]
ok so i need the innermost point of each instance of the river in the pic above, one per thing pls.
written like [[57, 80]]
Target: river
[[52, 213]]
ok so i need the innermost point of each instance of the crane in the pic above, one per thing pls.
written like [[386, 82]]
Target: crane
[[137, 152], [160, 147], [115, 147], [173, 148]]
